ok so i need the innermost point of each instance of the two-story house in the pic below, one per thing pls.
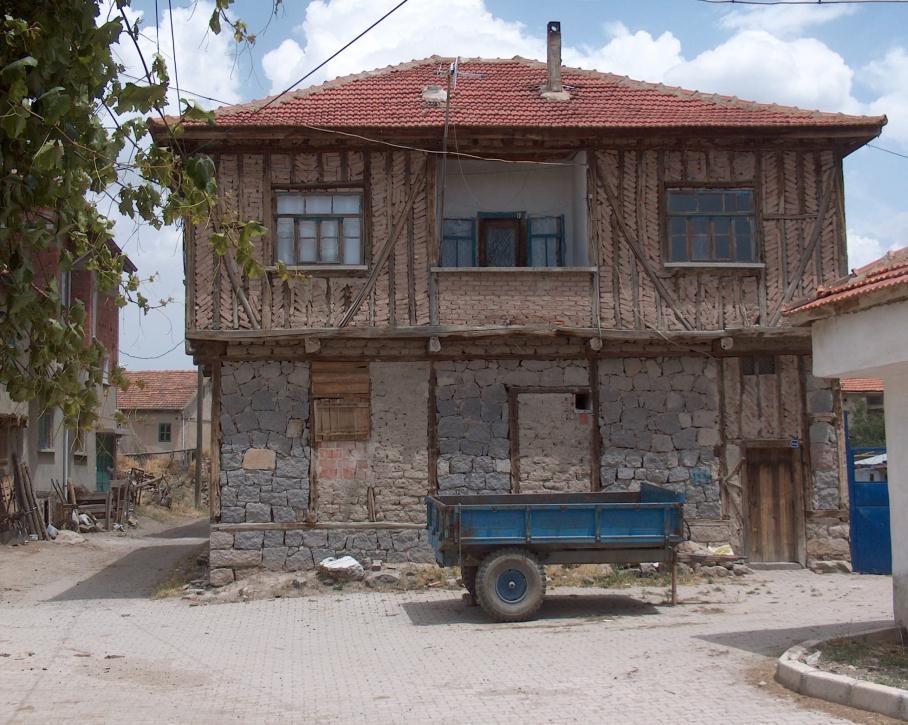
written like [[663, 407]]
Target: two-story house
[[34, 433], [505, 276]]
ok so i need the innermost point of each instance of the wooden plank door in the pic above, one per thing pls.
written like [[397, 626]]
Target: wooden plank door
[[773, 504]]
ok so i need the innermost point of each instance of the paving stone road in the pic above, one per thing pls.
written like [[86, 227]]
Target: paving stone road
[[424, 656]]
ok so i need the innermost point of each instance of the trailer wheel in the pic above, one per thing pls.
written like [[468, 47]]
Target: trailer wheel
[[510, 585]]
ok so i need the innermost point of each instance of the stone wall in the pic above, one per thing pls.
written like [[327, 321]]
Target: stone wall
[[342, 476], [825, 430], [234, 554], [659, 422], [554, 443], [265, 442], [399, 470], [472, 405]]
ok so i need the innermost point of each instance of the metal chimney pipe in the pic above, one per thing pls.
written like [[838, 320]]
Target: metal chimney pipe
[[553, 56]]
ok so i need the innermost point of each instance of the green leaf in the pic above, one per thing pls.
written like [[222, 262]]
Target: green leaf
[[19, 66], [48, 156], [215, 22]]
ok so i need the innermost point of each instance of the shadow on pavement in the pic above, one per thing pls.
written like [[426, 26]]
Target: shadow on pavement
[[773, 642], [135, 575], [197, 529], [555, 606]]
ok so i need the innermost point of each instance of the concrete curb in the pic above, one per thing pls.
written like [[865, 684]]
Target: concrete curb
[[793, 673]]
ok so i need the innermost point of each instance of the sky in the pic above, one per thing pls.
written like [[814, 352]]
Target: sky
[[836, 57]]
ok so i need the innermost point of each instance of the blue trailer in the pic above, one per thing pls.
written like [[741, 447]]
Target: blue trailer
[[502, 542]]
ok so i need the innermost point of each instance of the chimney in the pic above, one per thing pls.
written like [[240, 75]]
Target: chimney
[[553, 90], [553, 57]]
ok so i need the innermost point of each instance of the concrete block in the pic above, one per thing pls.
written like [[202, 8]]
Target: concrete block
[[827, 686], [261, 459], [789, 673], [889, 701]]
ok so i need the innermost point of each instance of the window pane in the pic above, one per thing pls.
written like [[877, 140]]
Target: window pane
[[544, 225], [538, 257], [318, 204], [330, 250], [285, 252], [709, 201], [682, 201], [679, 248], [501, 246], [346, 204], [351, 228], [744, 248], [458, 228], [289, 204], [723, 248], [466, 255], [449, 253], [745, 200], [308, 254], [351, 250], [329, 228], [700, 247], [307, 228], [678, 226]]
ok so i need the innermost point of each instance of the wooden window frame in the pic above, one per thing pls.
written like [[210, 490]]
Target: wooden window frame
[[169, 429], [699, 187], [454, 238], [45, 441], [522, 224], [319, 218]]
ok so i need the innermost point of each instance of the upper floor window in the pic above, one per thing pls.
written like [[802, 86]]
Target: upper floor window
[[319, 227], [46, 431], [508, 239], [711, 225]]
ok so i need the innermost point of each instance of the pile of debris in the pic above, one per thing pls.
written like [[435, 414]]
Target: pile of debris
[[713, 561], [19, 509]]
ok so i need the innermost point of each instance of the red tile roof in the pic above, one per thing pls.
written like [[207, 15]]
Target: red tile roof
[[500, 93], [883, 275], [862, 385], [157, 390]]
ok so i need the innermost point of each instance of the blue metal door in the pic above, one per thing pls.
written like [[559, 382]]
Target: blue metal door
[[871, 546]]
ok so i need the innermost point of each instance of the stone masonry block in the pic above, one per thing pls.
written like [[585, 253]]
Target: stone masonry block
[[260, 459], [235, 558]]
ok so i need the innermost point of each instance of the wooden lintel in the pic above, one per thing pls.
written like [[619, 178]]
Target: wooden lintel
[[330, 525]]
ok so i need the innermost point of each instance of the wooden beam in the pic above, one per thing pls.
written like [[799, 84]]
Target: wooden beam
[[810, 249], [234, 275], [379, 261], [638, 253]]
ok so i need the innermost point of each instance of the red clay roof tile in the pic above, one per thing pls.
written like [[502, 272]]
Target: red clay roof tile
[[499, 93], [862, 385], [157, 390], [886, 272]]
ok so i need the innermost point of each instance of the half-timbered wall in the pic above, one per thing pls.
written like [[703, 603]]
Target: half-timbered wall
[[800, 237]]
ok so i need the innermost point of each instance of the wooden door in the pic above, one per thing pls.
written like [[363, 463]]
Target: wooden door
[[773, 504]]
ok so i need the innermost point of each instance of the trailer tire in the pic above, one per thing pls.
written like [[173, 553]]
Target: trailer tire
[[510, 585]]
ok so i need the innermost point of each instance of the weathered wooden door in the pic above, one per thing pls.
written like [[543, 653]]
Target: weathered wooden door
[[773, 504]]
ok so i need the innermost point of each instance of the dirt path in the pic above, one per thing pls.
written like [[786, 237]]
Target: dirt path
[[106, 565]]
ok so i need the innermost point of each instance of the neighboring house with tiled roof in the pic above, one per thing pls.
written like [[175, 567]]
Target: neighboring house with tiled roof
[[508, 275], [859, 328], [869, 391], [161, 411]]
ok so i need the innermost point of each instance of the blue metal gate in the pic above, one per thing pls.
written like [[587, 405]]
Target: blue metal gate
[[871, 546]]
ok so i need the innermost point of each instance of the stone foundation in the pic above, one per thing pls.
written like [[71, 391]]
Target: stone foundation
[[658, 422], [234, 553]]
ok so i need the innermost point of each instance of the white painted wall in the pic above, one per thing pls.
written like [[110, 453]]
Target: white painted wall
[[474, 186], [874, 343]]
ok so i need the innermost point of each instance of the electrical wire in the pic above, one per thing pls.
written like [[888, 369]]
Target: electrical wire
[[802, 2], [331, 57], [153, 357], [888, 151]]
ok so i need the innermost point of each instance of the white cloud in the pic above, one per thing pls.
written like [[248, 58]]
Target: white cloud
[[865, 249], [639, 55], [757, 65], [205, 62], [783, 19], [888, 77], [417, 30]]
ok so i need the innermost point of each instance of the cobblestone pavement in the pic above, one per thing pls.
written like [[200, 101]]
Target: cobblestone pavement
[[594, 655]]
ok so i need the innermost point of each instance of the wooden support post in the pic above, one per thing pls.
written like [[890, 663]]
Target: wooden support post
[[214, 467], [200, 386]]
